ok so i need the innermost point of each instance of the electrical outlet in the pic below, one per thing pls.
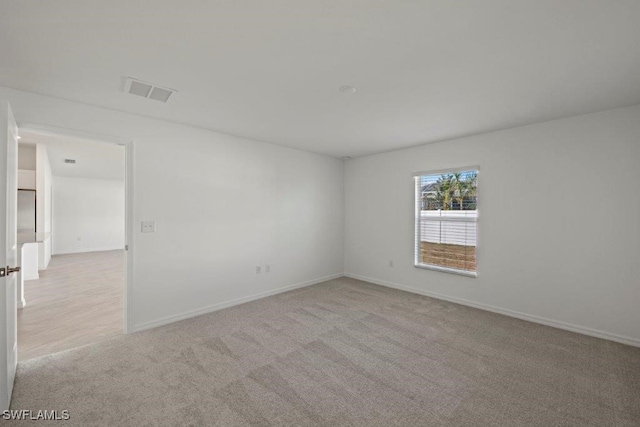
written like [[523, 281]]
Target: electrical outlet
[[267, 268], [258, 269], [391, 264], [148, 227]]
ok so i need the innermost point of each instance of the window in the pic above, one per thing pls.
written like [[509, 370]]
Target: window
[[446, 220]]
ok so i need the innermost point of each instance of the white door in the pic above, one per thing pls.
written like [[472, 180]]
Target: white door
[[8, 252]]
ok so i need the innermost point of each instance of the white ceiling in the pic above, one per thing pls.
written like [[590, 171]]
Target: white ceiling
[[94, 160], [270, 70]]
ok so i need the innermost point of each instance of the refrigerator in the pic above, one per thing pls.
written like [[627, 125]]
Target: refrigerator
[[26, 211]]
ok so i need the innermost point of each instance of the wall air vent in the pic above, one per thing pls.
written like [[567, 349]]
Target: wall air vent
[[146, 90], [69, 160]]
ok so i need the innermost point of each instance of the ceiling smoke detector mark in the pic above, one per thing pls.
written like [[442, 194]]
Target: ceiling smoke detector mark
[[69, 160], [348, 89], [146, 90]]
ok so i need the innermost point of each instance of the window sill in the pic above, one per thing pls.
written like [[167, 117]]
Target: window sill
[[447, 270]]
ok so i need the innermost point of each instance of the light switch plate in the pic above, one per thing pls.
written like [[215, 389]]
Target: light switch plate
[[148, 227]]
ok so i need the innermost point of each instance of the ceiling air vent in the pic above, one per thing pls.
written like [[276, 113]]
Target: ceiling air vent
[[146, 90], [69, 160]]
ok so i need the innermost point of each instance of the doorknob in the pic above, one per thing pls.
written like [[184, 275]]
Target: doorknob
[[7, 271]]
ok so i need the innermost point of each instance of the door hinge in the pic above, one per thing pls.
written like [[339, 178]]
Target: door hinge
[[3, 272]]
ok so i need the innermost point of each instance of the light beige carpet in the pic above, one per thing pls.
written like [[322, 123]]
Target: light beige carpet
[[342, 352]]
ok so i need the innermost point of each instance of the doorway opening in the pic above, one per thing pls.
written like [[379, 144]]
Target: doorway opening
[[72, 210]]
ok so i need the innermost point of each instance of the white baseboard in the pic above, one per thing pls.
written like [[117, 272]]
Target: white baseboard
[[84, 250], [227, 304], [524, 316], [35, 276]]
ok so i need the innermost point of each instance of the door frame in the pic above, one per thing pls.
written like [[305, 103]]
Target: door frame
[[129, 199]]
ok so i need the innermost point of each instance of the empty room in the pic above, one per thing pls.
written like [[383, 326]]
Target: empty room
[[354, 213]]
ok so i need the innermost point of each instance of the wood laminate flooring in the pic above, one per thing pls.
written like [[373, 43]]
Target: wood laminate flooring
[[78, 300]]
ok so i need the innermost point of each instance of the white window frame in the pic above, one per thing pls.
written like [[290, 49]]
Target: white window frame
[[417, 230]]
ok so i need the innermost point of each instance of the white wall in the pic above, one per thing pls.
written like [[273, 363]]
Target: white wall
[[29, 264], [222, 206], [559, 221], [88, 215], [26, 157], [43, 204], [26, 179], [28, 255]]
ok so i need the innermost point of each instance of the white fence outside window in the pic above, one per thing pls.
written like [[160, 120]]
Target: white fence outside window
[[450, 227]]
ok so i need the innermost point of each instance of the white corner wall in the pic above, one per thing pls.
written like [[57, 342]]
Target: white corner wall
[[88, 215], [559, 222], [44, 180], [222, 206]]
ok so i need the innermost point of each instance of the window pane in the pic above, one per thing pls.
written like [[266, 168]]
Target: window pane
[[447, 223]]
